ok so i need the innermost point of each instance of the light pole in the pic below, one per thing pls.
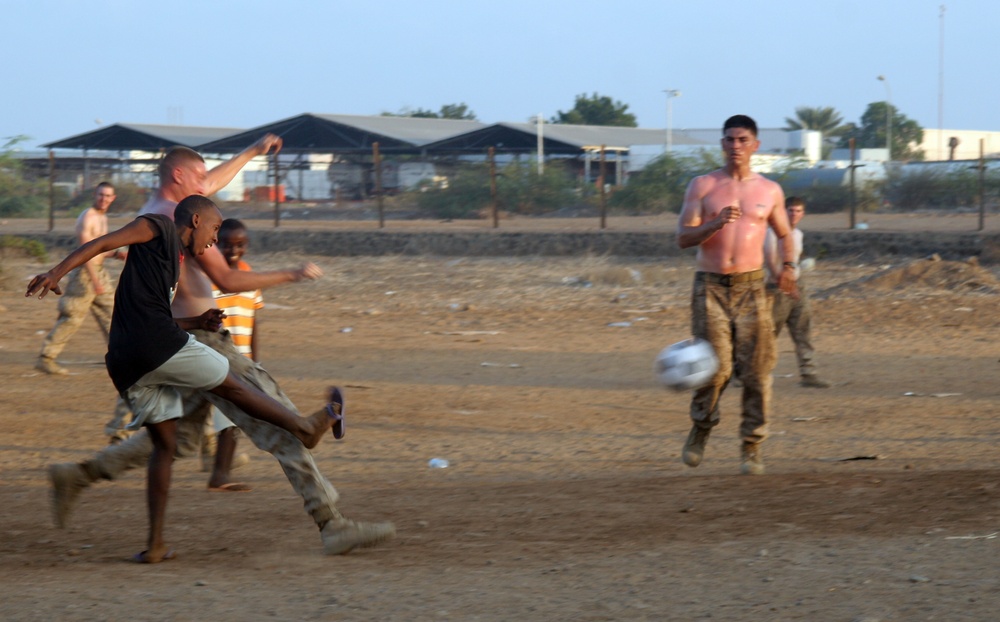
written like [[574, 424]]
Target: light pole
[[671, 94], [888, 116]]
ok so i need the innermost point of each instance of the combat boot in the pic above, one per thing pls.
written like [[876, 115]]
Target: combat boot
[[694, 447], [341, 535], [68, 481], [752, 460], [813, 381], [49, 366]]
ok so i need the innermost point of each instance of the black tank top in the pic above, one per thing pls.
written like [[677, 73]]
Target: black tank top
[[143, 332]]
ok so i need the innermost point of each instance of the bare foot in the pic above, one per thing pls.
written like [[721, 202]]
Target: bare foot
[[314, 427]]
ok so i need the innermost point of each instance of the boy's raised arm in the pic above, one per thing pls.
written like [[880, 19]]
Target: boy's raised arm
[[136, 232], [229, 280]]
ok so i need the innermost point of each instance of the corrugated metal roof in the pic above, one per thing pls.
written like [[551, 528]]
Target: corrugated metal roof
[[414, 130], [559, 138], [142, 137], [343, 133], [608, 135]]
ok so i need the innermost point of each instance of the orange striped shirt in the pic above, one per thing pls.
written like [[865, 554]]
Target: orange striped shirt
[[241, 310]]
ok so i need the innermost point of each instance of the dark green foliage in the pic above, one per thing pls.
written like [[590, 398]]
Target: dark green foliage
[[448, 111], [823, 119], [871, 134], [597, 110]]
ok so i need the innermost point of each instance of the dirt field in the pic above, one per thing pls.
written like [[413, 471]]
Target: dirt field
[[565, 498]]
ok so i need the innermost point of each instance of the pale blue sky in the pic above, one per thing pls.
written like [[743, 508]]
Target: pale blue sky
[[68, 63]]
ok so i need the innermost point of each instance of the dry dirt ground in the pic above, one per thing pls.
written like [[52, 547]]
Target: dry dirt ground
[[565, 498]]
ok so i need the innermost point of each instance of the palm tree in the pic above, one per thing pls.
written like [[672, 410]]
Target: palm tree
[[823, 119]]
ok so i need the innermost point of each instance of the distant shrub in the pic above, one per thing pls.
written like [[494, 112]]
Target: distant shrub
[[826, 199], [31, 248], [467, 193], [18, 196], [660, 186], [520, 190], [941, 189]]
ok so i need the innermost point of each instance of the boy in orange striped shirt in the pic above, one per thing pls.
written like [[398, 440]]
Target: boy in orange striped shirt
[[241, 322], [241, 308]]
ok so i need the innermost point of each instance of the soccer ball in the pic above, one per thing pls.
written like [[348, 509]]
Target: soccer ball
[[686, 365]]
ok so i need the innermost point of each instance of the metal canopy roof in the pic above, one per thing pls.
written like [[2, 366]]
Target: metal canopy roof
[[558, 138], [142, 137], [341, 133]]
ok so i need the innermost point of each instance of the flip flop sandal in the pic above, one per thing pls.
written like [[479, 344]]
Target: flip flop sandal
[[337, 414], [231, 487], [143, 558]]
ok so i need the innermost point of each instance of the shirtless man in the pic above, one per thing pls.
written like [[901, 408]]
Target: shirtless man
[[88, 290], [183, 173], [726, 214]]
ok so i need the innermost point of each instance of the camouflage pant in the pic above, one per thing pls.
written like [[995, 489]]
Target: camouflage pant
[[736, 320], [300, 468], [797, 315], [76, 302]]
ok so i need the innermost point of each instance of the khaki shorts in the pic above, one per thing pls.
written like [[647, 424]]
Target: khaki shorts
[[155, 397]]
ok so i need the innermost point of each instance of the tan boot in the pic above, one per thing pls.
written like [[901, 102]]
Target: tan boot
[[752, 459], [694, 447], [68, 481], [209, 444], [49, 366], [342, 536], [813, 381]]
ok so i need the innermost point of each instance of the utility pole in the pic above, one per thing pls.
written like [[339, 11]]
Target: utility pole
[[888, 116], [540, 125], [671, 94], [941, 85]]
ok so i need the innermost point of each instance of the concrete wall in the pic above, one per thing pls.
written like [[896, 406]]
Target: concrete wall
[[625, 244]]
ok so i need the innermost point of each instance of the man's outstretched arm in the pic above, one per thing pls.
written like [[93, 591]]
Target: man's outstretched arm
[[220, 176]]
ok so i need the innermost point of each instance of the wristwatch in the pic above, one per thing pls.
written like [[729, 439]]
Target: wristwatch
[[791, 264]]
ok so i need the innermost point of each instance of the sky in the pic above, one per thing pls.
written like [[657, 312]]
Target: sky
[[70, 66]]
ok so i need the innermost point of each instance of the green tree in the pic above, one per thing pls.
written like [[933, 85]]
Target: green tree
[[823, 119], [871, 134], [596, 110], [460, 112]]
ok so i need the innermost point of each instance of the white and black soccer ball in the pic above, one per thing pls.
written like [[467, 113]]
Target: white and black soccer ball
[[686, 365]]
